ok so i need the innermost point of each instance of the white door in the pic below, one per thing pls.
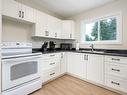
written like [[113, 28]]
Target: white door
[[95, 68], [11, 8]]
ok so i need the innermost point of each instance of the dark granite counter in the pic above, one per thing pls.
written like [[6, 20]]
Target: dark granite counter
[[122, 53]]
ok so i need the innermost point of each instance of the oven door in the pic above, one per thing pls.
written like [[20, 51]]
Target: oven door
[[18, 71]]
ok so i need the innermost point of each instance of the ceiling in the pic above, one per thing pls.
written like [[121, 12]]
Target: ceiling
[[67, 8]]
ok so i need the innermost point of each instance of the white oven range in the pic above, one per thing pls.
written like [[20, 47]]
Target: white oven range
[[20, 69]]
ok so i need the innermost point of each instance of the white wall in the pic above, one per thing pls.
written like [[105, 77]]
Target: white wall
[[118, 5]]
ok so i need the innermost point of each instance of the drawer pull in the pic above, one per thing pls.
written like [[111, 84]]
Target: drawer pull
[[52, 55], [52, 74], [52, 63], [115, 83], [115, 59], [115, 70]]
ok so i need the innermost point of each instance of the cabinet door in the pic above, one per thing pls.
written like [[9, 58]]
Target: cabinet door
[[51, 26], [10, 8], [77, 64], [68, 29], [63, 64], [95, 68], [40, 28], [57, 28], [28, 13]]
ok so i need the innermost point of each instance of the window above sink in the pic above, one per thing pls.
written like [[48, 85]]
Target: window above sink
[[103, 30]]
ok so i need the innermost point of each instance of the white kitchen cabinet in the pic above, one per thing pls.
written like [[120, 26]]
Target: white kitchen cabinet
[[14, 9], [116, 72], [95, 68], [68, 29], [28, 13], [57, 28], [47, 26], [50, 66], [40, 27], [76, 64], [63, 64], [10, 8]]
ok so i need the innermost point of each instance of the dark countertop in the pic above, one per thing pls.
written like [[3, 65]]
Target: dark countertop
[[122, 53]]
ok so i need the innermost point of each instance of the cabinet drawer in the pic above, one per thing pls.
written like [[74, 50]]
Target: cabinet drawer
[[116, 59], [50, 74], [48, 64], [51, 55], [116, 69], [116, 83]]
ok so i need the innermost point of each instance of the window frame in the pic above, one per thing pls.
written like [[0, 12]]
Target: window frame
[[118, 40]]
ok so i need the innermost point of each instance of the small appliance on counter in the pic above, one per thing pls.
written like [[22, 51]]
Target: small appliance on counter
[[44, 47], [66, 46], [52, 45]]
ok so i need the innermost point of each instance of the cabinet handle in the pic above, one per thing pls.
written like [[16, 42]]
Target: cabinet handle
[[115, 59], [22, 14], [55, 34], [85, 57], [46, 33], [115, 83], [70, 35], [52, 74], [115, 70], [52, 55], [52, 63], [19, 13], [61, 55]]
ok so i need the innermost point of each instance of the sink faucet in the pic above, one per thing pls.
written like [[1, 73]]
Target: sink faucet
[[92, 47]]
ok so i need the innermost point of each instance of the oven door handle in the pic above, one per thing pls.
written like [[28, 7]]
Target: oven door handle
[[22, 59]]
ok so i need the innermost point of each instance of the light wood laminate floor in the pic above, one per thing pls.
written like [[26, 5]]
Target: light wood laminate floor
[[68, 85]]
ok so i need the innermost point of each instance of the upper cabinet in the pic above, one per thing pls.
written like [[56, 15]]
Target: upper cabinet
[[13, 9], [10, 8], [45, 25], [68, 29]]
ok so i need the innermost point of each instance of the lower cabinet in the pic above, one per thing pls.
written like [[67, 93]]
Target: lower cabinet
[[63, 63], [50, 66], [116, 72], [95, 68], [76, 64]]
